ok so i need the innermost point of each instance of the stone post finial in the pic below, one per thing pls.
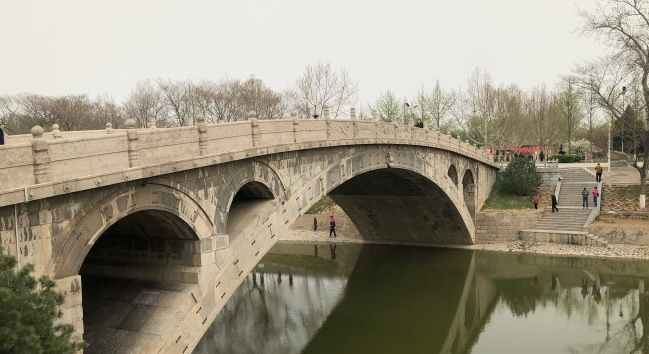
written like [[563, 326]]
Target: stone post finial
[[202, 134], [109, 128], [37, 132], [41, 156], [130, 123], [352, 113], [325, 112], [375, 115], [293, 114], [133, 142], [296, 123], [254, 125], [56, 132], [152, 123], [393, 118]]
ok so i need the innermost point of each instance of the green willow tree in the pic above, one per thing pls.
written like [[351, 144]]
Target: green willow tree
[[29, 308], [569, 104]]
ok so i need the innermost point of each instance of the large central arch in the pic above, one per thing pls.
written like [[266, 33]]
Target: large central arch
[[400, 205]]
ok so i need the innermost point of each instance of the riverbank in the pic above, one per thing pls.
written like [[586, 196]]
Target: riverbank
[[616, 251]]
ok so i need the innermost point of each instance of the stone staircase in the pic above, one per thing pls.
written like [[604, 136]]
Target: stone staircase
[[574, 181], [567, 225], [566, 219]]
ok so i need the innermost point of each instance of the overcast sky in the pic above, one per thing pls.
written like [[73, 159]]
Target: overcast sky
[[85, 46]]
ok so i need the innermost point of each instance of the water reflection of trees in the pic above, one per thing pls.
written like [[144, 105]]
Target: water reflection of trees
[[520, 296], [620, 307]]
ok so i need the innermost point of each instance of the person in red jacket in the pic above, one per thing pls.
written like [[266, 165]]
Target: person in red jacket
[[595, 196], [332, 226], [536, 201]]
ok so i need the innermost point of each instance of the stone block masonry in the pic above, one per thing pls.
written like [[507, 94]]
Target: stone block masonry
[[503, 226]]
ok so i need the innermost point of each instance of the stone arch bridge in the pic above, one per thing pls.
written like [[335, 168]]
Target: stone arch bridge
[[189, 211]]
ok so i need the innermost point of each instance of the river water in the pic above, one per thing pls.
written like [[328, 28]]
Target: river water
[[327, 298]]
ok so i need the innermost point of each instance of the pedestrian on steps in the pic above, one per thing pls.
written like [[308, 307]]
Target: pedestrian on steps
[[584, 198], [554, 203], [536, 201], [598, 173], [595, 195]]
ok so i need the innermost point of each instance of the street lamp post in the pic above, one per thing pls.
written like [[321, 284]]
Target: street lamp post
[[610, 122], [407, 112], [622, 114]]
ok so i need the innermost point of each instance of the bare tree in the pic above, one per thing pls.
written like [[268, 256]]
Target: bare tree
[[254, 95], [623, 25], [542, 112], [107, 111], [319, 86], [175, 95], [479, 110], [146, 102]]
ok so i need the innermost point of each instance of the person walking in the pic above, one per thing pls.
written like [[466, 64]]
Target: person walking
[[332, 226], [598, 173], [584, 199], [554, 203], [536, 201], [419, 124], [595, 195]]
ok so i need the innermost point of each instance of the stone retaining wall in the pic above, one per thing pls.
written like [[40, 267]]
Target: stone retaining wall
[[491, 226], [622, 234], [503, 226]]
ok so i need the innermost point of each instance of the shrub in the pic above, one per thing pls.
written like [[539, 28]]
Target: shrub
[[521, 178], [29, 311], [321, 205], [567, 158]]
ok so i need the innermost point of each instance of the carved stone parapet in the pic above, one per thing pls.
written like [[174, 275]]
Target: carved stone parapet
[[56, 132]]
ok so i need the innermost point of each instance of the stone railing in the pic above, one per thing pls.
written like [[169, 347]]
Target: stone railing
[[48, 164]]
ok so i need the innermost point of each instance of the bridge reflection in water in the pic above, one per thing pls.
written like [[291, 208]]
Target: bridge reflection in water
[[350, 298]]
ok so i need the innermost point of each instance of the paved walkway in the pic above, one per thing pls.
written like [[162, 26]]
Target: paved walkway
[[612, 251]]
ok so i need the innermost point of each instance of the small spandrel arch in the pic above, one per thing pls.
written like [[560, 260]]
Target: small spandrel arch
[[452, 174]]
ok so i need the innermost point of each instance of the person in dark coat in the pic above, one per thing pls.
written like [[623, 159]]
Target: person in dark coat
[[2, 135], [554, 203]]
